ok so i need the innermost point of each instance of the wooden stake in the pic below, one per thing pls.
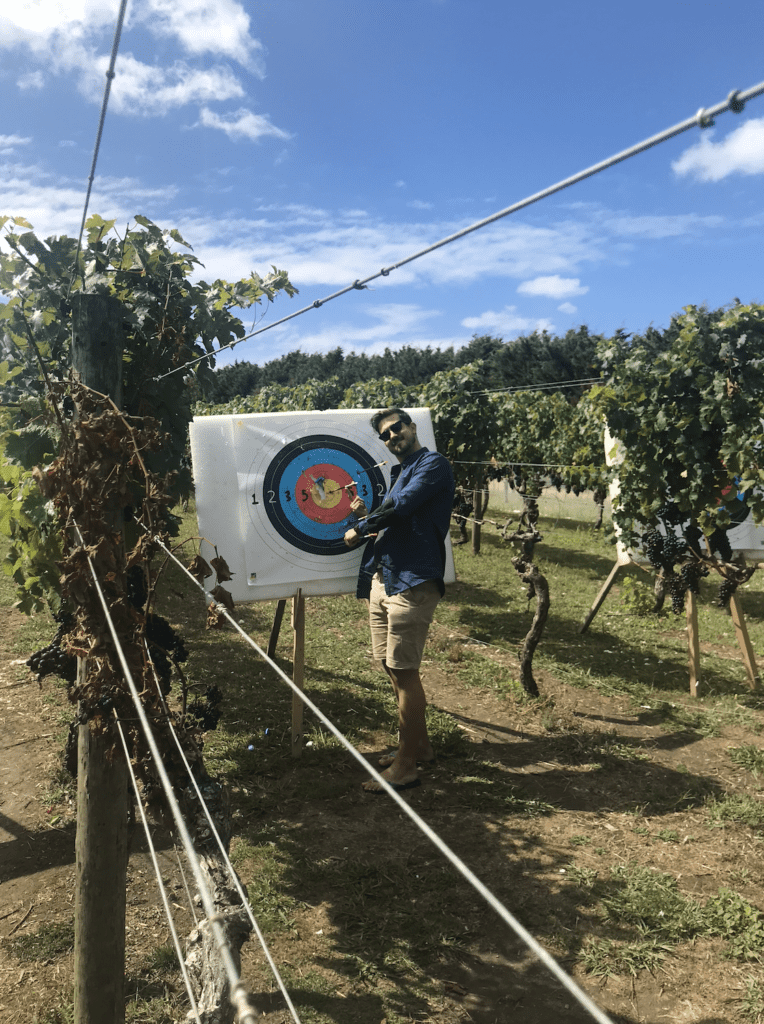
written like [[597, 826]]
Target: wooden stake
[[276, 628], [744, 642], [101, 876], [601, 597], [693, 641], [102, 780], [298, 670]]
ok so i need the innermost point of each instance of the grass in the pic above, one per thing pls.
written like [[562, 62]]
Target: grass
[[49, 942], [394, 916], [741, 809], [749, 756]]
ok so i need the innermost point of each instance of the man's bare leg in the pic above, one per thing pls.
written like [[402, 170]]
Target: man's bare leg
[[425, 752], [414, 742]]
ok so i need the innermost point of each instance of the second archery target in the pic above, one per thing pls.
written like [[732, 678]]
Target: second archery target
[[273, 493]]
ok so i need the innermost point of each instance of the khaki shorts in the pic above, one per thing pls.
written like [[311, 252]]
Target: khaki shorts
[[399, 624]]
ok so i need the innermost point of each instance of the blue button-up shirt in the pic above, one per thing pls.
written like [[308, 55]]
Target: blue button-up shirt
[[411, 525]]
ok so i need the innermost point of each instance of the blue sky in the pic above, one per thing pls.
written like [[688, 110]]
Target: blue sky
[[332, 139]]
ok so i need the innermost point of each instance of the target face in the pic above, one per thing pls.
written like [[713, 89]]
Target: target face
[[308, 487], [273, 494]]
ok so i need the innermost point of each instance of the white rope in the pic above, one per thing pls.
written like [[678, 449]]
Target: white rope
[[703, 119], [160, 883], [238, 995], [549, 962], [231, 871]]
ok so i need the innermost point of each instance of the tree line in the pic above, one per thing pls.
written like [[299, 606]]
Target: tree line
[[538, 358]]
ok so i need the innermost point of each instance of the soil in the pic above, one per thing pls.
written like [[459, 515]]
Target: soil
[[493, 979]]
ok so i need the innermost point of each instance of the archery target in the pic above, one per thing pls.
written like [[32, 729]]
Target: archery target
[[273, 493]]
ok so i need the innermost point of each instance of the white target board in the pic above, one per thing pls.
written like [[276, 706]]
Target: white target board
[[746, 538], [273, 493]]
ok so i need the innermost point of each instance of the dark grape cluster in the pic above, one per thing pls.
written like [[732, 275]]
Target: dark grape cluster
[[692, 573], [206, 709], [677, 590], [137, 591], [688, 578], [52, 660], [163, 641], [652, 545], [726, 590], [670, 513], [663, 551]]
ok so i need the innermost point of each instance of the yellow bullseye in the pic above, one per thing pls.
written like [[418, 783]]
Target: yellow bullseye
[[326, 493]]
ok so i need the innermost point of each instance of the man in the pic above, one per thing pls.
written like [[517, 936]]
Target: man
[[402, 577]]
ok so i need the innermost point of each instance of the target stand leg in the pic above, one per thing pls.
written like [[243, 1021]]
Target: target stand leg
[[605, 589], [744, 641], [298, 670], [693, 642], [276, 628]]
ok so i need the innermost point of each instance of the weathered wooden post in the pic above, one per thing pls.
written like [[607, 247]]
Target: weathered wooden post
[[102, 778]]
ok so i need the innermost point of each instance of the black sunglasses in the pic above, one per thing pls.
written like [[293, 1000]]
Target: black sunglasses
[[394, 428]]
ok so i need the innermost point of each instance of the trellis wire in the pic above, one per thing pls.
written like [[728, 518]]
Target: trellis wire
[[107, 91], [549, 386], [549, 962], [736, 101], [229, 866], [160, 883], [238, 994]]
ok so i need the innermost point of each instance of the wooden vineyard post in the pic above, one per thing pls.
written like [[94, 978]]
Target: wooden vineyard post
[[693, 641], [298, 670], [744, 641], [102, 780]]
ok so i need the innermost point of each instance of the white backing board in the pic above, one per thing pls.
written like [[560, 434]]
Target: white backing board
[[746, 539], [270, 494]]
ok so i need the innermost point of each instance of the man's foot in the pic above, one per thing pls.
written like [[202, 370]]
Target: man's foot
[[426, 754], [372, 786]]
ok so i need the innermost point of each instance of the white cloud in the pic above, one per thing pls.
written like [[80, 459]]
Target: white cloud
[[9, 143], [221, 28], [655, 226], [568, 307], [397, 324], [554, 287], [505, 321], [742, 151], [54, 204], [34, 80], [143, 89], [400, 183], [74, 38], [241, 124], [419, 204]]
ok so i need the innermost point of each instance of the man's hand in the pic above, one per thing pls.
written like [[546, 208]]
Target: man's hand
[[358, 506], [352, 538]]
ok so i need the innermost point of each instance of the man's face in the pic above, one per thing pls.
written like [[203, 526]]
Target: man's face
[[402, 440]]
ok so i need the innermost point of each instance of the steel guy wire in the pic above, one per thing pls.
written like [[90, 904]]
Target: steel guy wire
[[107, 91], [160, 883], [238, 995], [549, 962], [736, 101], [191, 906], [229, 866]]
